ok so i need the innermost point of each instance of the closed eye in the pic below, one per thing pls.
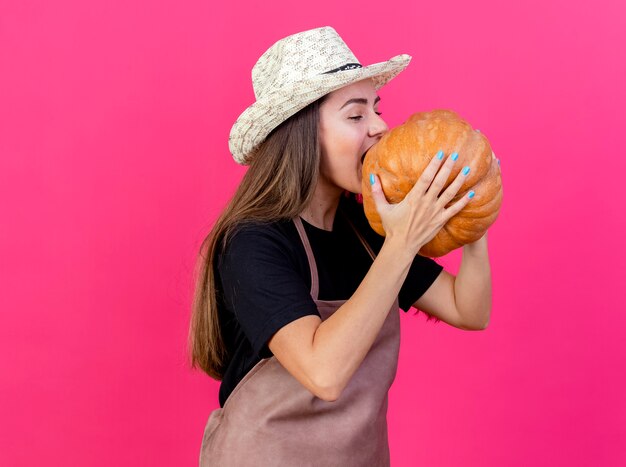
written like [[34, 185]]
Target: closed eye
[[359, 117]]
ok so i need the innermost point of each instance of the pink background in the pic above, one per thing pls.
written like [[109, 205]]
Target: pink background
[[114, 162]]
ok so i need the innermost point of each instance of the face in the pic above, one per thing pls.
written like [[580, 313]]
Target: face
[[350, 124]]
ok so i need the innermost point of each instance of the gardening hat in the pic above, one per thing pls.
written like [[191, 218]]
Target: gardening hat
[[296, 71]]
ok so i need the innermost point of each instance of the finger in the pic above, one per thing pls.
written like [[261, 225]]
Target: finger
[[458, 206], [427, 176], [493, 156], [377, 194], [454, 187], [442, 176]]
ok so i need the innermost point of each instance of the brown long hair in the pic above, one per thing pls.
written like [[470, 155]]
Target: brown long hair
[[278, 184]]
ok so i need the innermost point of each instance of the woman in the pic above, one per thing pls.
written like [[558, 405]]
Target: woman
[[296, 306]]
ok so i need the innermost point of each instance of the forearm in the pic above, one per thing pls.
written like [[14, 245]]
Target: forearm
[[342, 341], [472, 287]]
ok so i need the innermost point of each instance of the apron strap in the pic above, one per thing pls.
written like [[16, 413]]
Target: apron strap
[[309, 254]]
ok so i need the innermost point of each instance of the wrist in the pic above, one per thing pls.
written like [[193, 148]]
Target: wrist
[[481, 242], [399, 249], [477, 248]]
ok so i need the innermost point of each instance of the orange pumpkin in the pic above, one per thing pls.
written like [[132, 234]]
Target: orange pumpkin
[[403, 153]]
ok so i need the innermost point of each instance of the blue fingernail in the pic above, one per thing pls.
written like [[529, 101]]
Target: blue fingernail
[[498, 161], [440, 154], [454, 156], [466, 170], [372, 179], [471, 194]]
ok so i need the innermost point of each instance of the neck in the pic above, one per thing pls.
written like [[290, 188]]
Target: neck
[[322, 209]]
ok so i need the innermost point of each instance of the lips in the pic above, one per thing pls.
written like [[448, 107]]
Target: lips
[[365, 153]]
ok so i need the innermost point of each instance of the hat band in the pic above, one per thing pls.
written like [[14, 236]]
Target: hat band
[[348, 66]]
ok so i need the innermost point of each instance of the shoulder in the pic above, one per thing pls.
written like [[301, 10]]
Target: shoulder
[[255, 244], [262, 279], [254, 234]]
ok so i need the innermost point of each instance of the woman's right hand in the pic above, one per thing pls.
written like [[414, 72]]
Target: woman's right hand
[[422, 213]]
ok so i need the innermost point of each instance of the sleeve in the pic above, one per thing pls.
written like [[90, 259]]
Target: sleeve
[[422, 274], [262, 286]]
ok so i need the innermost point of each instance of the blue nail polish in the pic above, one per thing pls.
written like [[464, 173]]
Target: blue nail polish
[[454, 156], [440, 154], [372, 179], [471, 194], [498, 161], [466, 170]]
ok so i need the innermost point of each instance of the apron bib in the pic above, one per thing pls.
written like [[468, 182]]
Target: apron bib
[[270, 419]]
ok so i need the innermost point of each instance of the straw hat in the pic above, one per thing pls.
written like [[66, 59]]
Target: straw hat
[[296, 71]]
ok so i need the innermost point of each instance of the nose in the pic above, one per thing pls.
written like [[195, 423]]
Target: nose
[[378, 126]]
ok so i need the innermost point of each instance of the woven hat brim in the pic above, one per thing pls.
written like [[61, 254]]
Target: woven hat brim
[[269, 111]]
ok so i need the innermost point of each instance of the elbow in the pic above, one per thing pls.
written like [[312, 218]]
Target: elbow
[[480, 327], [480, 318], [329, 396], [475, 326], [327, 390], [328, 393], [484, 324]]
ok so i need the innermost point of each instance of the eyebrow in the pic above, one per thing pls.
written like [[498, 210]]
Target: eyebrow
[[358, 100]]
